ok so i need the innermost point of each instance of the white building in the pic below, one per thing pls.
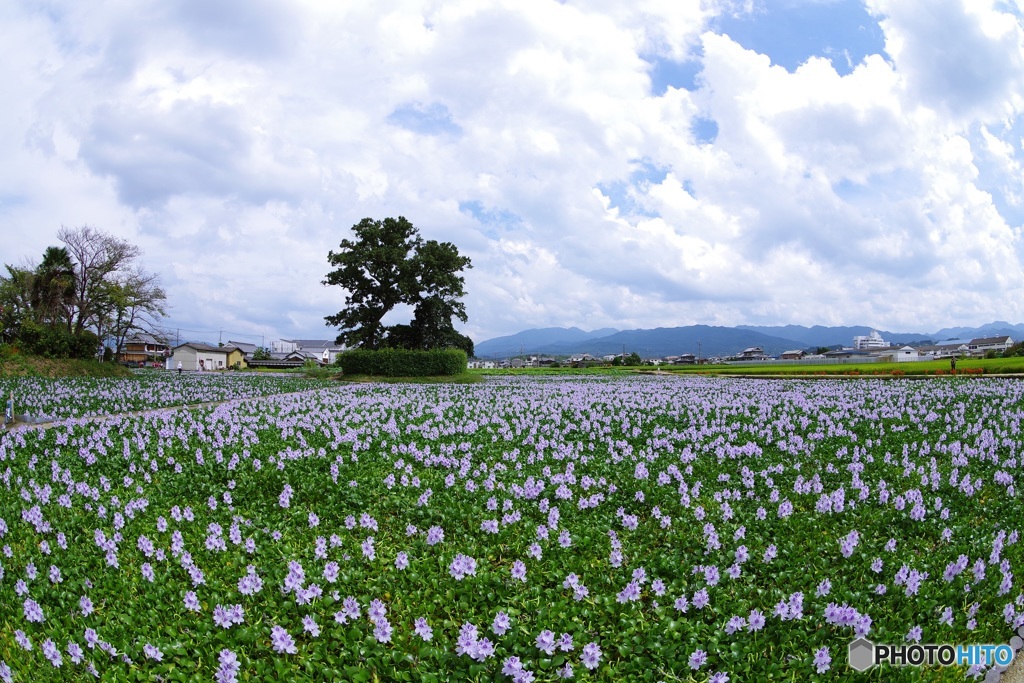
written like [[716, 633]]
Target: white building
[[869, 341], [905, 354], [195, 356]]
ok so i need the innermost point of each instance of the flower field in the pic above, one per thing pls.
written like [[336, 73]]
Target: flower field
[[90, 397], [647, 528]]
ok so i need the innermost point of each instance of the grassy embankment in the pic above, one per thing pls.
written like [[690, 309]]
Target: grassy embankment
[[16, 364]]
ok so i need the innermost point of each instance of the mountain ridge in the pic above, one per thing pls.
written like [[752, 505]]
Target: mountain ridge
[[707, 340]]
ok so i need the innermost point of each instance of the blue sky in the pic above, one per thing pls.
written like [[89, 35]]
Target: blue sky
[[604, 164]]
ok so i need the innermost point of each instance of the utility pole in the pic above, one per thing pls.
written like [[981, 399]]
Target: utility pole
[[698, 352]]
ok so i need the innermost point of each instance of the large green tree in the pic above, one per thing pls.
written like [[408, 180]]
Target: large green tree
[[386, 264], [90, 287]]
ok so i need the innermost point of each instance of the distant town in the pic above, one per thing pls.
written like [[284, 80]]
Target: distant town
[[148, 350], [871, 347]]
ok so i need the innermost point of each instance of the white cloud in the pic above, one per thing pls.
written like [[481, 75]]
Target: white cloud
[[237, 144]]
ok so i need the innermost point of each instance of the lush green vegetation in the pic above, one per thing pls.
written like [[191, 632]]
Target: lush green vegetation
[[403, 363], [634, 528]]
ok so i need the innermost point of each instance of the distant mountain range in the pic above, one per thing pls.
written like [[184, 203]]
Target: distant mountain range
[[710, 341]]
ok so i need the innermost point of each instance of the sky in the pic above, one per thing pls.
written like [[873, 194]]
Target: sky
[[604, 163]]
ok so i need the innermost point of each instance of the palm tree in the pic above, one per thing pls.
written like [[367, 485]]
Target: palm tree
[[53, 288]]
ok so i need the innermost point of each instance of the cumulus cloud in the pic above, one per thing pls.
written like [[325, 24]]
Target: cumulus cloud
[[237, 143]]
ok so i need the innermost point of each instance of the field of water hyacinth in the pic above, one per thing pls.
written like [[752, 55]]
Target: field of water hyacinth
[[146, 390], [648, 528]]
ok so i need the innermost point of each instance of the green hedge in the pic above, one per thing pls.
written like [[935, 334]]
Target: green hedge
[[403, 363]]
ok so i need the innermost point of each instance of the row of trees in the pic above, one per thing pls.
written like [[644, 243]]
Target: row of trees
[[88, 292], [388, 264]]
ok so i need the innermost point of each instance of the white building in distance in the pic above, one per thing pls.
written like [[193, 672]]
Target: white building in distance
[[870, 341]]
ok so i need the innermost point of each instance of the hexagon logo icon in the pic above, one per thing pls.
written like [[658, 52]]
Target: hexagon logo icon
[[862, 654]]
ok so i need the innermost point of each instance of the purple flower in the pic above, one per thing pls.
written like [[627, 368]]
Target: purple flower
[[33, 612], [422, 629], [502, 623], [251, 583], [467, 641], [462, 566], [153, 652], [914, 634], [591, 655], [682, 604], [382, 631], [701, 599], [631, 593], [698, 659], [755, 621], [734, 624], [822, 660], [546, 642], [401, 561], [52, 653], [281, 641], [75, 652], [310, 626], [565, 642], [519, 570], [24, 641], [376, 611], [711, 575], [435, 535], [229, 667], [85, 605]]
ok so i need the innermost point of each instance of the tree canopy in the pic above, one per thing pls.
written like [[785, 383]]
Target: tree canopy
[[386, 264], [93, 287]]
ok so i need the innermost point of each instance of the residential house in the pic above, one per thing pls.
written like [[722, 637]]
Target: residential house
[[796, 354], [752, 353], [947, 350], [982, 345], [329, 355], [245, 348], [236, 357], [141, 348], [201, 357]]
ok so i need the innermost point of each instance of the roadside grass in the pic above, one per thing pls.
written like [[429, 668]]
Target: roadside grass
[[16, 364]]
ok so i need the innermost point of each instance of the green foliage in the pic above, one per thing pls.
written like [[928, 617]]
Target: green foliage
[[56, 342], [403, 362], [389, 264], [261, 354], [93, 283]]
